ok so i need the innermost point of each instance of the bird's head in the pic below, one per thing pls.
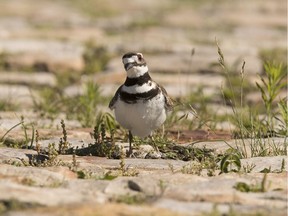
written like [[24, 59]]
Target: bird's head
[[134, 64]]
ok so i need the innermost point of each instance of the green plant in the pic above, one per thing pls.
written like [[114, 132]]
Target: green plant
[[131, 199], [101, 141], [109, 123], [95, 57], [88, 174], [203, 159], [84, 107], [52, 156], [248, 168], [2, 139], [283, 107], [108, 176], [194, 168], [248, 124], [277, 55], [248, 121], [74, 164], [211, 165], [283, 164], [205, 116], [230, 163], [145, 23], [158, 141], [270, 88], [124, 170], [259, 147], [63, 142], [185, 153], [45, 160], [7, 105], [214, 212], [16, 205], [84, 174], [236, 87], [49, 103], [94, 9], [162, 186], [13, 162], [171, 168], [24, 142], [233, 95], [37, 145], [28, 182], [49, 157], [268, 170], [122, 162], [25, 128], [64, 78], [104, 143], [4, 64], [244, 187]]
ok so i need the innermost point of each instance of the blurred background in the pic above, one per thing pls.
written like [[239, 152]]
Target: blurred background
[[63, 58]]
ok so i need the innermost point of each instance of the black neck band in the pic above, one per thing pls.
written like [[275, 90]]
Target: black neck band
[[137, 80], [133, 98]]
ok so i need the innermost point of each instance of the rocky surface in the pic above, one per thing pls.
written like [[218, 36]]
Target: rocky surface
[[43, 59], [160, 184]]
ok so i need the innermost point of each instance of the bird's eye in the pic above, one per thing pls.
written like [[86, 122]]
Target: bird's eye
[[139, 57]]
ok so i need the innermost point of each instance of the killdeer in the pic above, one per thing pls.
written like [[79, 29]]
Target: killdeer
[[140, 104]]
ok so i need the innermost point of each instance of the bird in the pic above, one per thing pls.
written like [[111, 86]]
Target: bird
[[140, 104]]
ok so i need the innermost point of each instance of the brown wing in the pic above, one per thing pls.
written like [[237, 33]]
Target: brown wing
[[115, 98], [168, 100]]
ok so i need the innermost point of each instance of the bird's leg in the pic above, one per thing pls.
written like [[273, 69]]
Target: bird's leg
[[154, 143], [130, 137]]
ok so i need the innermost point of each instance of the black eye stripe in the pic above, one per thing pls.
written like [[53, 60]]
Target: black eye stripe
[[130, 64], [126, 66], [133, 64]]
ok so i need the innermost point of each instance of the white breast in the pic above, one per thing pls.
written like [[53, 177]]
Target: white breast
[[143, 117]]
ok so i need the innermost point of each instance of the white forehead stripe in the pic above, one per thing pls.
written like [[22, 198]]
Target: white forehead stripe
[[129, 60], [140, 54]]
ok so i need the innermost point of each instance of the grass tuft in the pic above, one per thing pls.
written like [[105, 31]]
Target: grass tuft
[[95, 57]]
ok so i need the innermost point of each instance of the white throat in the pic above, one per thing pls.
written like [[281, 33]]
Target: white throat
[[137, 71]]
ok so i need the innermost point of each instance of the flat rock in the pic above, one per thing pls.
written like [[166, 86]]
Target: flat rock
[[131, 163], [35, 176], [243, 145], [42, 196], [199, 208], [111, 209], [15, 154], [153, 181], [47, 128], [53, 55], [30, 79], [19, 95], [274, 164]]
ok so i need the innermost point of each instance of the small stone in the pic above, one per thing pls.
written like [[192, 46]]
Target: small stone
[[134, 186]]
